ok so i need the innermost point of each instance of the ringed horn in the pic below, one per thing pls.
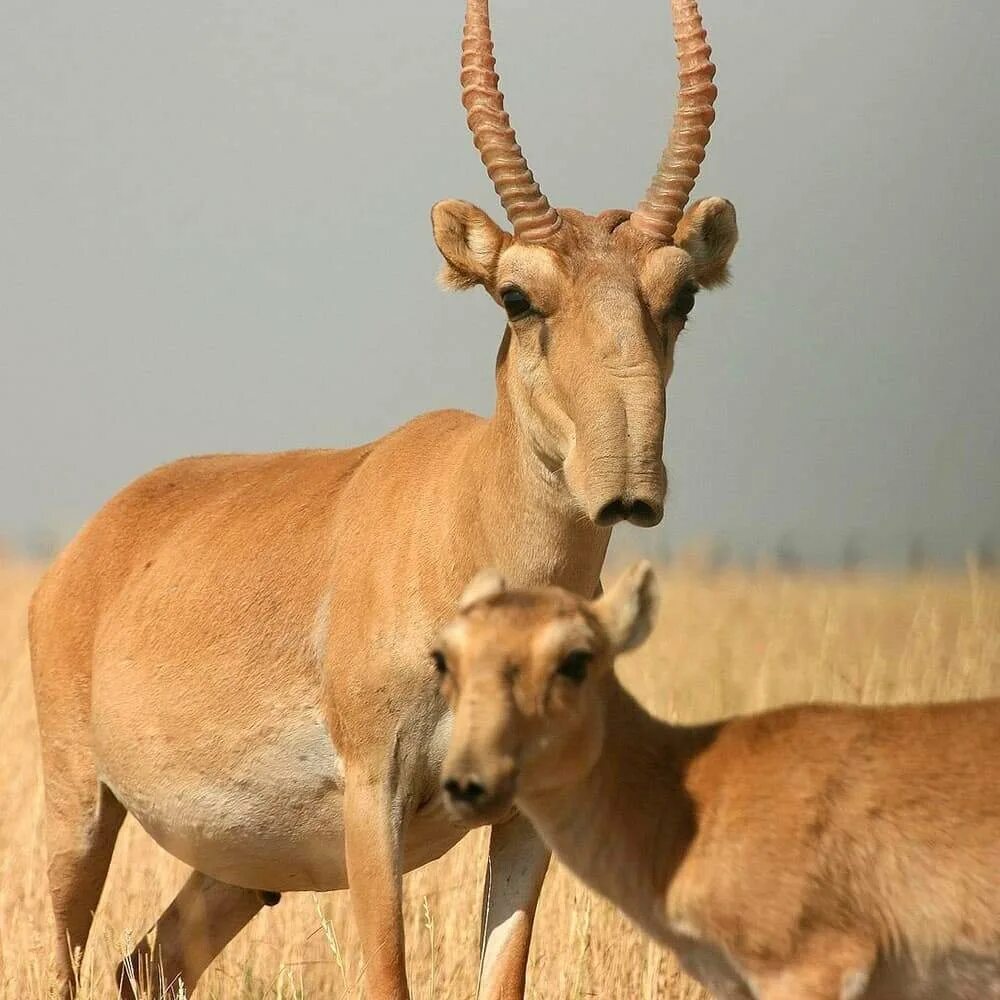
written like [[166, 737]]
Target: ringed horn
[[529, 211], [660, 211], [533, 218]]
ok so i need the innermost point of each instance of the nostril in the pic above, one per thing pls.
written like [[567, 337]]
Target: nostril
[[613, 512], [473, 791], [644, 514], [469, 790]]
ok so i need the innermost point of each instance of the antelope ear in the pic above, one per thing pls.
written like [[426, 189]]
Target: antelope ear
[[708, 234], [486, 583], [470, 242], [628, 609]]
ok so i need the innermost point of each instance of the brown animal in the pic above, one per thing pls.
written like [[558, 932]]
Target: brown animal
[[234, 648], [820, 852]]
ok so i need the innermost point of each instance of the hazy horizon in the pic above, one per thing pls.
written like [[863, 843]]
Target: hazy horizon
[[200, 200]]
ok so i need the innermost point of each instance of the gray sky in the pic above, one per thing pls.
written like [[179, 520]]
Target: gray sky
[[214, 236]]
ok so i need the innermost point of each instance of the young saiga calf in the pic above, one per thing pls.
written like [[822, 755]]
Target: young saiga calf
[[819, 852]]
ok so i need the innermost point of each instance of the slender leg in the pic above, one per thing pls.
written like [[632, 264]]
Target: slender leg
[[82, 824], [373, 838], [203, 918], [517, 864]]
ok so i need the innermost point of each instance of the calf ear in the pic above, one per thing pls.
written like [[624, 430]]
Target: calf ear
[[486, 583], [628, 609], [708, 234], [470, 242]]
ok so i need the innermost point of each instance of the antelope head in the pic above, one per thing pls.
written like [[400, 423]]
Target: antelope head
[[594, 304], [525, 673]]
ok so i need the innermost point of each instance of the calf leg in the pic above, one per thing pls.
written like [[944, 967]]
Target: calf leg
[[203, 918], [517, 864]]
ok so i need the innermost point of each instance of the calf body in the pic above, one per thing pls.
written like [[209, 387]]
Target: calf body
[[813, 852]]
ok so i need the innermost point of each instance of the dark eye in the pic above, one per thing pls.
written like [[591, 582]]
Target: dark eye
[[440, 664], [515, 302], [684, 302], [574, 665]]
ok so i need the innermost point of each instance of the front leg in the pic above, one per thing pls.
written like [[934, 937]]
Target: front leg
[[517, 864], [372, 838]]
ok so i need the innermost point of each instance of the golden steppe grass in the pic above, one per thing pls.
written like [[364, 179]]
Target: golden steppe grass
[[726, 642]]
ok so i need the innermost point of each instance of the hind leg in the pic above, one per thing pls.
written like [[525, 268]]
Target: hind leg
[[203, 918], [82, 816], [81, 830]]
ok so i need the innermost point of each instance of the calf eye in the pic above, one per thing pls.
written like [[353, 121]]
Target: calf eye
[[573, 666], [515, 302], [440, 664]]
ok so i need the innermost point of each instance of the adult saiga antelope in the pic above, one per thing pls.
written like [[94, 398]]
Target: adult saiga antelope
[[809, 853], [234, 649]]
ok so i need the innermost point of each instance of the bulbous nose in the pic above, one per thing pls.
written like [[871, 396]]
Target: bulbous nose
[[468, 789], [638, 512]]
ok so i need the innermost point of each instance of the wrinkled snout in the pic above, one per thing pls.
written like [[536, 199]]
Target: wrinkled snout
[[615, 468]]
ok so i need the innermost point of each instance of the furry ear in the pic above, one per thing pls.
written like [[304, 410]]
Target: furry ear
[[486, 583], [470, 242], [708, 233], [628, 609]]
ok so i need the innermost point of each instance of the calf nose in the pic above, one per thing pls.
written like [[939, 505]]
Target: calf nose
[[469, 789]]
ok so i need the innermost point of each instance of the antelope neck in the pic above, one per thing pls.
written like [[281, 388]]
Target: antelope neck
[[535, 528], [630, 815]]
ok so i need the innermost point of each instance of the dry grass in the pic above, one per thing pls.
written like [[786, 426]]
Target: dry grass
[[726, 643]]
